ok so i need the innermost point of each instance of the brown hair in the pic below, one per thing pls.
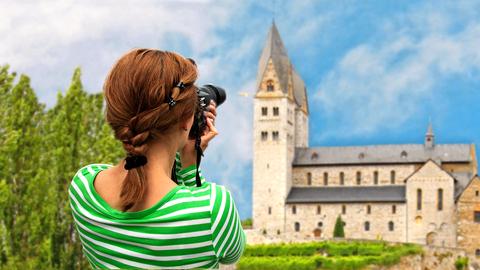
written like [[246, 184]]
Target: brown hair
[[136, 93]]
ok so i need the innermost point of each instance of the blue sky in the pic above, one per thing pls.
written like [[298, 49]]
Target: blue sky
[[376, 71]]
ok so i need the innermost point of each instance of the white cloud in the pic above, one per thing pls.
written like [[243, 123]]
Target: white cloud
[[48, 39], [384, 82]]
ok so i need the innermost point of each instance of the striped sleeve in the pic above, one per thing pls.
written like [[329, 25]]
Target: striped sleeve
[[227, 233]]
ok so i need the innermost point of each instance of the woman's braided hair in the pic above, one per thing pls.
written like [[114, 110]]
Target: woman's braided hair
[[137, 91]]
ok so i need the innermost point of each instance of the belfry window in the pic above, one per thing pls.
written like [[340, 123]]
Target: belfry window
[[270, 87], [375, 177], [342, 178], [264, 111], [275, 135], [325, 179], [392, 177], [264, 135], [275, 111]]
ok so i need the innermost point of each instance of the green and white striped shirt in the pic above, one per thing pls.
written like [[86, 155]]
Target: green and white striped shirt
[[190, 227]]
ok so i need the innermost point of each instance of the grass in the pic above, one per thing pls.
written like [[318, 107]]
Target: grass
[[324, 255]]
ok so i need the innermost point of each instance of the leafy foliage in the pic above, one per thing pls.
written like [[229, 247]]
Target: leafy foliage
[[338, 229], [40, 150], [325, 255]]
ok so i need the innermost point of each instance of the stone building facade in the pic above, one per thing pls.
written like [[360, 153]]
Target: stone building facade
[[423, 193]]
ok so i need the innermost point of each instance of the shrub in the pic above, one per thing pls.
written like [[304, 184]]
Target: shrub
[[274, 263], [338, 230], [461, 263]]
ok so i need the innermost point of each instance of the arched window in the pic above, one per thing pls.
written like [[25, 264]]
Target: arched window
[[270, 86], [319, 209], [325, 179], [275, 135], [264, 111], [394, 209], [369, 209], [392, 177], [375, 177], [276, 111], [294, 209], [440, 199], [264, 135], [391, 226], [320, 224], [309, 178], [477, 252], [367, 226], [344, 209], [297, 226], [359, 178], [419, 199], [342, 178]]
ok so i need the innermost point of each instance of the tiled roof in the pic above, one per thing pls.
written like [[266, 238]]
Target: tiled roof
[[346, 194], [381, 154]]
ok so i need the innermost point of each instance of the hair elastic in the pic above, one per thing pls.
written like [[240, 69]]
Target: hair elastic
[[134, 161]]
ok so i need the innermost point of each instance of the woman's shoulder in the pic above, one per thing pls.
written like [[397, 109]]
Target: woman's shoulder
[[88, 172], [216, 193]]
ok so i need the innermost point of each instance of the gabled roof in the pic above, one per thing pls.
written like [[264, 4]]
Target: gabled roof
[[381, 154], [464, 180], [347, 194], [276, 51]]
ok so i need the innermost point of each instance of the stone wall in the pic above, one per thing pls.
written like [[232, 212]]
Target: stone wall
[[272, 158], [468, 231], [350, 174], [355, 217], [429, 224]]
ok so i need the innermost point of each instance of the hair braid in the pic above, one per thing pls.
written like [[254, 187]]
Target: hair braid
[[137, 90]]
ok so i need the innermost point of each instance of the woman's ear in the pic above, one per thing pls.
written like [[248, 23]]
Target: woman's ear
[[187, 124]]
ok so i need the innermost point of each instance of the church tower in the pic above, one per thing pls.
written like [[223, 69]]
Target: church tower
[[280, 123]]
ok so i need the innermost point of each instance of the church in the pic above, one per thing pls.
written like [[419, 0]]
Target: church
[[424, 193]]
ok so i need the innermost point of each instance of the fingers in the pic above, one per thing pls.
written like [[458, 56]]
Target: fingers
[[212, 132], [209, 115], [212, 108]]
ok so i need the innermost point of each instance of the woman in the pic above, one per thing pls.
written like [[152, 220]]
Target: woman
[[133, 215]]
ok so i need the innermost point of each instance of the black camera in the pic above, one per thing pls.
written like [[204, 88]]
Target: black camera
[[205, 94]]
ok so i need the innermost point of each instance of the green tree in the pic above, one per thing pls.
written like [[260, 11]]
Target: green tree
[[338, 230], [19, 155], [40, 150]]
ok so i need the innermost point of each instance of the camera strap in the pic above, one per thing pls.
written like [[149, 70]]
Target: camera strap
[[198, 140]]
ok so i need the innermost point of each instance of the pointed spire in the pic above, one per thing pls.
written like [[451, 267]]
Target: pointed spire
[[275, 51]]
